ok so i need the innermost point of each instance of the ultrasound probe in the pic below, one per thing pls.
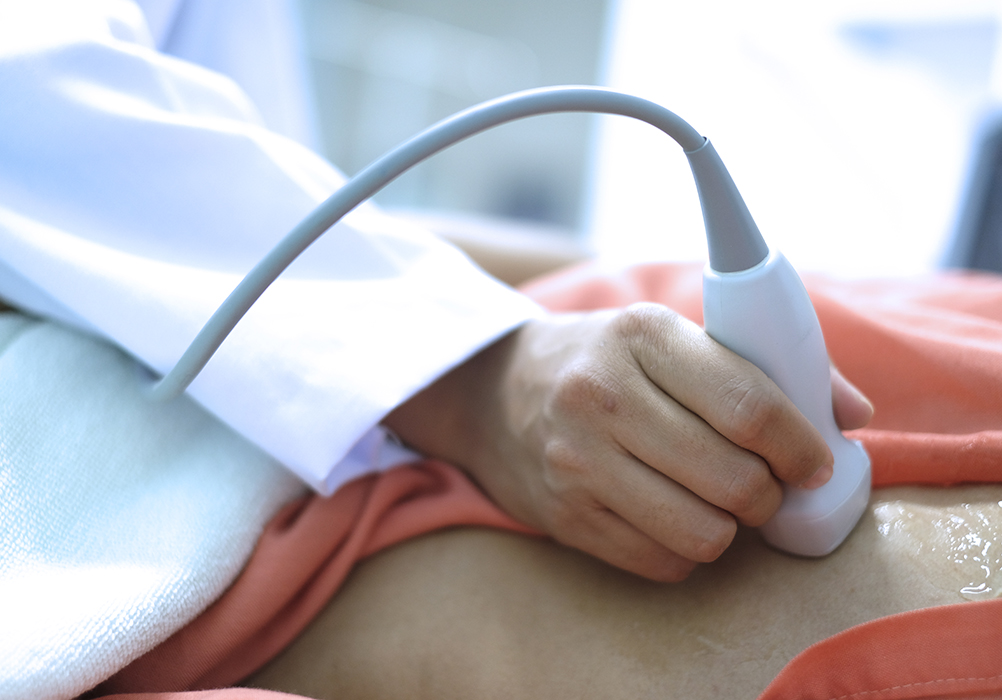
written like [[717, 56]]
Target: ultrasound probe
[[753, 301]]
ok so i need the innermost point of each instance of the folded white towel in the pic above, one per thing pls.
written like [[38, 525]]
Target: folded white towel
[[120, 519]]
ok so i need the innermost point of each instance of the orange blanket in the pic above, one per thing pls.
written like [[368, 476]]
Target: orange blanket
[[927, 352]]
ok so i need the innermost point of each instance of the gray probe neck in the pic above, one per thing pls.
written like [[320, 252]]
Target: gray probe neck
[[733, 239]]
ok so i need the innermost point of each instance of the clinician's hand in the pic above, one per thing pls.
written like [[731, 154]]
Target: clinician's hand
[[630, 435]]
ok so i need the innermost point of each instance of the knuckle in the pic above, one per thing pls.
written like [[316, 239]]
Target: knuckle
[[654, 562], [711, 545], [583, 389], [652, 338], [567, 477], [748, 487], [642, 321], [749, 410], [672, 570], [698, 538], [562, 460]]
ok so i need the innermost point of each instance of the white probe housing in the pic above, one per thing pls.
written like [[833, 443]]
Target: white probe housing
[[755, 304], [765, 315]]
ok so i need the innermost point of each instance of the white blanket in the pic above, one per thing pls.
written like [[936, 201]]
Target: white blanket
[[120, 519]]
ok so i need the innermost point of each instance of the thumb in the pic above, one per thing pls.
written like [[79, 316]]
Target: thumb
[[852, 408]]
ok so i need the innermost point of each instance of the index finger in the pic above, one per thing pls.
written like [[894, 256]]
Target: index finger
[[731, 394]]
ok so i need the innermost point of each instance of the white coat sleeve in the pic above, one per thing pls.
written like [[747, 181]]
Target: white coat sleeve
[[136, 190]]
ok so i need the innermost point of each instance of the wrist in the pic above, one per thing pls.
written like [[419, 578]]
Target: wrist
[[450, 418]]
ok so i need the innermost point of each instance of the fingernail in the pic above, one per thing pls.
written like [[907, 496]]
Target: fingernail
[[859, 395], [820, 478]]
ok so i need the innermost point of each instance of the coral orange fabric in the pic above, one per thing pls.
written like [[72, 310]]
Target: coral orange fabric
[[928, 352], [954, 651]]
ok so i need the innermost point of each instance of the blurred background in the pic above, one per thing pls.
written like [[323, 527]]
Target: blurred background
[[861, 134], [383, 70]]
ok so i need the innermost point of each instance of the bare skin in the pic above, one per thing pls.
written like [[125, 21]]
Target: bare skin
[[478, 613], [629, 434]]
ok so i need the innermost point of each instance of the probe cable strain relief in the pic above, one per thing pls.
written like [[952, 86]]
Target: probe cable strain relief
[[733, 239]]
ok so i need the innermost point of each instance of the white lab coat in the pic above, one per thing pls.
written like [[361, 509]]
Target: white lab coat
[[137, 188]]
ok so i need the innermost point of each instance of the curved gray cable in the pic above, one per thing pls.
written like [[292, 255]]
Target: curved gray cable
[[386, 169]]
